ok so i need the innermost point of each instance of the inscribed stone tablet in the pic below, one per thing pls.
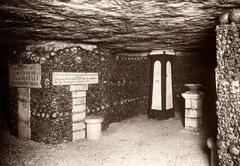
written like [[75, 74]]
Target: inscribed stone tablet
[[25, 75], [71, 78]]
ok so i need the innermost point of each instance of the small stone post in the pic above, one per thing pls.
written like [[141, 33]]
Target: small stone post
[[212, 146], [193, 107]]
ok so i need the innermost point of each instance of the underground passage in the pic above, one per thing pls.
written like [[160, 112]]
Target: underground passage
[[119, 82]]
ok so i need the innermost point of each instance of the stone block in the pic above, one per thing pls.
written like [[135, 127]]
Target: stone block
[[79, 108], [79, 135], [24, 111], [76, 94], [78, 126], [193, 113], [194, 104], [79, 101], [78, 87], [187, 103], [192, 96], [193, 122], [23, 94], [78, 116], [24, 131]]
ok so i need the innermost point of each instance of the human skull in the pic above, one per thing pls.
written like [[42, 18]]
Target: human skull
[[234, 87], [224, 86], [74, 50], [78, 59]]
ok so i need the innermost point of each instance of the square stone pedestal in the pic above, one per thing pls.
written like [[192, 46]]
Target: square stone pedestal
[[193, 110]]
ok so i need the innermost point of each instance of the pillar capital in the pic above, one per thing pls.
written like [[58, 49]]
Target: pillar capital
[[195, 96]]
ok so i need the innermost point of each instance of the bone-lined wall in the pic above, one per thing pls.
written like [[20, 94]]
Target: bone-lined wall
[[228, 93], [122, 90]]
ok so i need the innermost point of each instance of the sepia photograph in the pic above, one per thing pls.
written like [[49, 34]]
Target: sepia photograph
[[119, 83]]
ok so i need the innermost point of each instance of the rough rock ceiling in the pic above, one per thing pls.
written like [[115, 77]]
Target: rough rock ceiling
[[125, 24]]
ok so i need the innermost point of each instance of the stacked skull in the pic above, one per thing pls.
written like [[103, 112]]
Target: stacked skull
[[228, 93]]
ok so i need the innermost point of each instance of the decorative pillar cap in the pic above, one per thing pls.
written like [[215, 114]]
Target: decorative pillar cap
[[195, 96]]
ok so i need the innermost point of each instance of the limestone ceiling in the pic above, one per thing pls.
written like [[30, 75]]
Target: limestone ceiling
[[118, 24]]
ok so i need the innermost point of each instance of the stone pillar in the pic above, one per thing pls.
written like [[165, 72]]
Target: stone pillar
[[78, 111], [24, 113], [193, 109], [78, 85]]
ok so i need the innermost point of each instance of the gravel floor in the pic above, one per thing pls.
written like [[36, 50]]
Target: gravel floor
[[134, 142]]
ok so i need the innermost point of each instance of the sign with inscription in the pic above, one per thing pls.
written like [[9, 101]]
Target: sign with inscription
[[71, 78], [25, 75]]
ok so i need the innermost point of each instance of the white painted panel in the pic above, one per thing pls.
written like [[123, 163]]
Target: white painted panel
[[157, 87], [169, 91]]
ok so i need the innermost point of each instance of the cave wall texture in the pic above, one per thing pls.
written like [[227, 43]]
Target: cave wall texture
[[228, 93], [117, 24]]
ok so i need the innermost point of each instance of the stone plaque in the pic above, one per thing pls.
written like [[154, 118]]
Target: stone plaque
[[25, 75], [71, 78]]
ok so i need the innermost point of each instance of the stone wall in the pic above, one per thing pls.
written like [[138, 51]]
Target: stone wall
[[228, 93], [122, 91], [126, 87]]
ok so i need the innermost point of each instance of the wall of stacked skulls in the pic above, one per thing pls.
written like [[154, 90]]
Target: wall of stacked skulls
[[122, 91], [228, 93]]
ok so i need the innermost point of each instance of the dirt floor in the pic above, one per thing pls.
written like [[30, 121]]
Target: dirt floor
[[134, 142]]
